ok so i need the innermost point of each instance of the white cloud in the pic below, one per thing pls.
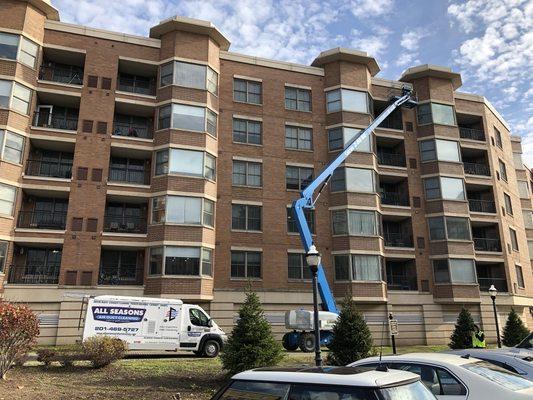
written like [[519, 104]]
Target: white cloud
[[410, 41], [375, 44], [370, 8]]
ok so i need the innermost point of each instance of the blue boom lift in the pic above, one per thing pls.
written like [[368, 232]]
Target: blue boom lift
[[301, 321]]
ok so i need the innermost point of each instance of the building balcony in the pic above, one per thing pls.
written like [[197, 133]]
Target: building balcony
[[487, 244], [34, 274], [471, 134], [59, 168], [476, 169], [394, 198], [393, 121], [136, 84], [121, 267], [397, 240], [482, 206], [391, 159], [499, 283], [401, 275], [124, 224], [133, 126], [55, 220], [491, 274], [129, 170], [54, 120], [61, 73]]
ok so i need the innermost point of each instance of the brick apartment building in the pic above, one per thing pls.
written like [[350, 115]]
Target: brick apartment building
[[164, 166]]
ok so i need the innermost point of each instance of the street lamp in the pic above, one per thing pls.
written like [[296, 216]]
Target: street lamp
[[313, 260], [493, 292]]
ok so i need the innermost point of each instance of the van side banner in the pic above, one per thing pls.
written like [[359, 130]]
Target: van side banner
[[118, 315]]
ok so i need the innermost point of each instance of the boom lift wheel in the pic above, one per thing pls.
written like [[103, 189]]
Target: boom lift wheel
[[288, 344], [307, 342]]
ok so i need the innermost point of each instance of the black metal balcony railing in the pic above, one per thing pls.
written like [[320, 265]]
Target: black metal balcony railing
[[482, 206], [499, 283], [123, 275], [139, 86], [34, 274], [42, 220], [124, 224], [52, 169], [122, 129], [63, 74], [394, 159], [485, 244], [400, 282], [397, 240], [55, 121], [394, 198], [476, 169], [472, 134], [129, 176]]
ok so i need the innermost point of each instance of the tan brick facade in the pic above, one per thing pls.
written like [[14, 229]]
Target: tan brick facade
[[55, 253]]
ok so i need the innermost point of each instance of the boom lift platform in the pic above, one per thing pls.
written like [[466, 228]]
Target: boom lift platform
[[301, 321]]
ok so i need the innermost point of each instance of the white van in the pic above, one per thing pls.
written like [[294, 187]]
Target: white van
[[154, 324]]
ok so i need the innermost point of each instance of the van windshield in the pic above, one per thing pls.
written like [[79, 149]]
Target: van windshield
[[415, 390], [499, 375]]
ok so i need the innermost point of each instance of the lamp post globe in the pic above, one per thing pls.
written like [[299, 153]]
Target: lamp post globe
[[313, 261], [313, 258], [493, 291]]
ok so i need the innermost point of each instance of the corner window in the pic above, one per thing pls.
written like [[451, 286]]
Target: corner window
[[339, 137], [291, 221], [187, 118], [183, 210], [247, 173], [523, 189], [15, 96], [347, 100], [354, 222], [16, 47], [297, 178], [454, 270], [445, 188], [156, 261], [508, 204], [517, 159], [3, 255], [297, 267], [449, 228], [207, 262], [246, 217], [196, 76], [498, 138], [503, 170], [246, 264], [297, 138], [7, 199], [186, 162], [438, 149], [436, 113], [247, 131], [353, 180], [357, 267], [9, 45], [519, 276], [11, 146], [297, 99], [247, 91], [514, 239]]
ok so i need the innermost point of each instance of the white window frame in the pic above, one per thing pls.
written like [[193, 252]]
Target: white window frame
[[163, 266], [206, 155], [203, 200], [3, 140], [19, 50], [14, 201], [12, 96]]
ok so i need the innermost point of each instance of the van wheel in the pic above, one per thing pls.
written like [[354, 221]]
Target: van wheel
[[211, 348], [307, 342]]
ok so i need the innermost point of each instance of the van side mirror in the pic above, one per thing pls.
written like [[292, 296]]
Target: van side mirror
[[210, 323]]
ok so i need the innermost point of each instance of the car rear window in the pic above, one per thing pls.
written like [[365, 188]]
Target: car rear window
[[499, 375], [415, 390], [244, 390], [329, 392]]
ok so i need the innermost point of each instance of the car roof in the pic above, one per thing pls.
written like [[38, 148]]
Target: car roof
[[349, 376], [440, 358], [493, 354]]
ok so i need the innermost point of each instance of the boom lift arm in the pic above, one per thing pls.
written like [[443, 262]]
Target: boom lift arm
[[320, 182]]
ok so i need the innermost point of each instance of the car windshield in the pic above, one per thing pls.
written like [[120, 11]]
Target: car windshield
[[414, 390], [527, 343], [499, 375]]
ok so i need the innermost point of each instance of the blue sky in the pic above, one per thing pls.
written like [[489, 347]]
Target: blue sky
[[490, 42]]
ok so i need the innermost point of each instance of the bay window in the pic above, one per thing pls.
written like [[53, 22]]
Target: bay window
[[449, 228], [439, 149], [17, 47], [7, 199], [339, 137], [353, 180], [183, 210], [436, 113], [185, 162], [454, 270], [357, 267], [188, 118], [15, 96], [11, 146], [354, 222], [196, 76], [445, 188], [347, 100], [181, 260]]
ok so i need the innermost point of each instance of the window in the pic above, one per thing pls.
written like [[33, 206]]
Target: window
[[297, 178], [3, 254], [503, 170], [498, 137], [247, 91], [198, 318], [297, 266], [353, 180], [247, 173], [252, 390], [9, 48], [7, 199], [517, 159], [355, 222], [309, 217], [207, 262], [514, 239], [188, 118], [445, 188], [338, 138], [11, 146], [435, 113], [298, 138], [173, 260], [246, 264], [297, 99], [14, 95], [156, 261], [182, 210], [454, 270], [246, 217], [518, 269], [442, 150], [357, 267], [450, 228], [528, 220], [508, 204], [523, 189], [246, 131], [190, 75], [186, 162], [530, 248], [347, 100]]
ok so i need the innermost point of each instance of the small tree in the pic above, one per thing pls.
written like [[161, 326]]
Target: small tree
[[352, 339], [251, 344], [514, 331], [19, 328], [461, 337]]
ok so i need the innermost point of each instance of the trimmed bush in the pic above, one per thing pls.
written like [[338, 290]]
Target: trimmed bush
[[352, 339], [19, 328], [461, 337], [103, 350], [46, 356], [251, 344], [514, 331]]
